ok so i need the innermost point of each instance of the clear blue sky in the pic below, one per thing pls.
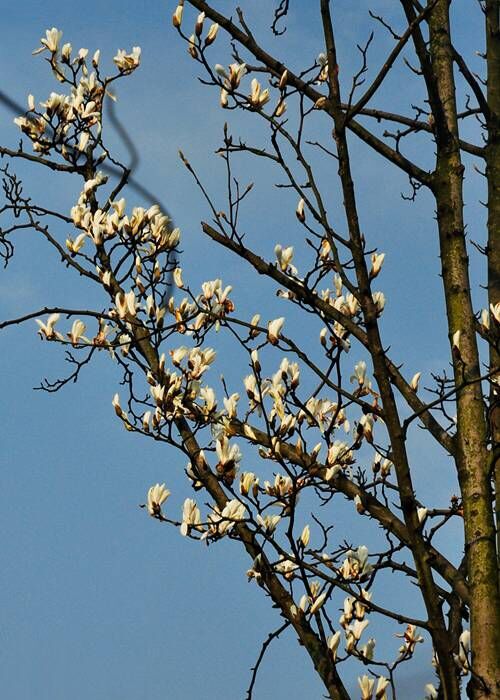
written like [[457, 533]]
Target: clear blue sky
[[100, 601]]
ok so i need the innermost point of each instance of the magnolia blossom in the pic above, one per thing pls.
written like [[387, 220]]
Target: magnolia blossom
[[366, 684], [128, 61], [382, 684], [248, 482], [359, 373], [211, 34], [368, 649], [415, 380], [300, 212], [47, 330], [318, 603], [177, 16], [462, 658], [333, 642], [377, 262], [76, 333], [258, 97], [305, 536], [285, 257], [191, 516], [157, 495], [430, 692], [268, 523], [222, 522], [274, 330], [356, 565], [51, 41], [411, 639]]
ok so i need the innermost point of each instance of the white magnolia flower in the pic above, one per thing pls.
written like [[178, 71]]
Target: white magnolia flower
[[377, 262], [382, 684], [47, 330], [51, 41], [77, 331], [305, 535], [274, 330], [462, 658], [191, 516], [318, 603], [411, 639], [333, 642], [359, 373], [300, 212], [258, 97], [415, 380], [157, 495], [366, 684], [284, 257], [268, 523], [128, 61], [177, 16], [211, 34], [248, 482], [430, 692]]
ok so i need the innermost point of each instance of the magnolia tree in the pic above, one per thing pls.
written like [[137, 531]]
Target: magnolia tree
[[320, 416]]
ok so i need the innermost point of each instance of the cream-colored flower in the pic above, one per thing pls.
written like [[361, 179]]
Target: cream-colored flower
[[157, 495], [76, 333], [47, 330], [191, 517], [366, 684], [128, 61], [305, 536], [274, 329]]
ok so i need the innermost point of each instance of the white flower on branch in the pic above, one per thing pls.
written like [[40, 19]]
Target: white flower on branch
[[268, 523], [177, 16], [50, 42], [456, 341], [274, 329], [229, 459], [333, 642], [366, 685], [382, 684], [157, 495], [411, 639], [127, 62], [495, 311], [220, 523], [300, 212], [76, 333], [248, 482], [305, 536], [230, 405], [377, 262], [284, 257], [430, 692], [368, 649], [379, 301], [211, 34], [47, 330], [317, 604], [356, 566], [415, 380], [258, 97], [354, 632], [359, 373], [191, 517], [462, 658]]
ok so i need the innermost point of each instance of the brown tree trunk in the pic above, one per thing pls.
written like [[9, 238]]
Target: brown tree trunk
[[472, 458]]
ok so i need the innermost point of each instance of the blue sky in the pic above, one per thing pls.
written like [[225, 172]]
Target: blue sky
[[100, 601]]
